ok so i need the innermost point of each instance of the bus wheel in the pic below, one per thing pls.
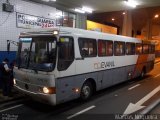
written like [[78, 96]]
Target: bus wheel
[[143, 72], [86, 91]]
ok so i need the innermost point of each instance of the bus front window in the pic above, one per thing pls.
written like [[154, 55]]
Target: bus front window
[[41, 53], [23, 52]]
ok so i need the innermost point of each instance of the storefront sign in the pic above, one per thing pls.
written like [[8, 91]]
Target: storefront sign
[[29, 21]]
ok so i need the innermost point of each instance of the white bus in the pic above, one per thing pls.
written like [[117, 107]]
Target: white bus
[[60, 64]]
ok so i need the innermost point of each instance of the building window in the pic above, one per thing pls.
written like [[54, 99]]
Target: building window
[[72, 20], [119, 48], [65, 19], [59, 18], [88, 47]]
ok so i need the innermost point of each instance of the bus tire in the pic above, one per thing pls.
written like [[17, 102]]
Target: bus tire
[[143, 72], [86, 91]]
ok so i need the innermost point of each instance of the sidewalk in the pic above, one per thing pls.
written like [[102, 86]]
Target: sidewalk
[[4, 99], [16, 95]]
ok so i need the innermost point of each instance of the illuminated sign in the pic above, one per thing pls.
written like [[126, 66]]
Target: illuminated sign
[[30, 21], [26, 39]]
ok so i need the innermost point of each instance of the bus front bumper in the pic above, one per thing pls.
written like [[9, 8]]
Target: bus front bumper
[[41, 97]]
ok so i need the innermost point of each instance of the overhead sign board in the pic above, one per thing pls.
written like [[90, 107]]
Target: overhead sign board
[[30, 21]]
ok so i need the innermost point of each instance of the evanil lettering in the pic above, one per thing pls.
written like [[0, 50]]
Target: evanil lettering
[[101, 65]]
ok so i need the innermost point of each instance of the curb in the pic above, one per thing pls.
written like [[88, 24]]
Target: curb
[[16, 96], [12, 99], [156, 62], [150, 107]]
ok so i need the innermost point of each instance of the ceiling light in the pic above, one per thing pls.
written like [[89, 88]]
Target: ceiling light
[[59, 14], [113, 19], [123, 13], [156, 16], [45, 0], [87, 9], [79, 10], [131, 3], [49, 0]]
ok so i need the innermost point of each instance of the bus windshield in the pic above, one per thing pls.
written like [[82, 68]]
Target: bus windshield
[[38, 53]]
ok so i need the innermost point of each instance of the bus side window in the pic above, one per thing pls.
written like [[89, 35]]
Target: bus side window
[[88, 47], [138, 48], [145, 48], [85, 51], [130, 48], [66, 53], [105, 48], [151, 49], [109, 48], [119, 48], [101, 48]]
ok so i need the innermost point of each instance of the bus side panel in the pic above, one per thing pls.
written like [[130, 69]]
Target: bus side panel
[[119, 75], [66, 86], [144, 61], [129, 72], [150, 66], [139, 67], [107, 78], [115, 76], [64, 90]]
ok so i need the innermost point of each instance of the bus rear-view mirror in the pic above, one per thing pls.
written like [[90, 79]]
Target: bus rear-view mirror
[[8, 46]]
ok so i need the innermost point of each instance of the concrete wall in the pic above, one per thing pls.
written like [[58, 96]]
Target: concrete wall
[[101, 27]]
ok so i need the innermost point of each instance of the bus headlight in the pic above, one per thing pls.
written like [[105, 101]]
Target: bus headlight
[[55, 32], [14, 81], [49, 90]]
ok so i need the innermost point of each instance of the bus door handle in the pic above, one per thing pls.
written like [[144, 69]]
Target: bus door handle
[[80, 58]]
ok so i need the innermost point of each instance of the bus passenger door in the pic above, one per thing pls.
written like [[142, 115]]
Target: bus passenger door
[[66, 69]]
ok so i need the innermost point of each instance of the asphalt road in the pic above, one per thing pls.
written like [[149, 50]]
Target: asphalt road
[[108, 104]]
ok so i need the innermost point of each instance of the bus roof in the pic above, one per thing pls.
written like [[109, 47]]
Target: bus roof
[[78, 32]]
